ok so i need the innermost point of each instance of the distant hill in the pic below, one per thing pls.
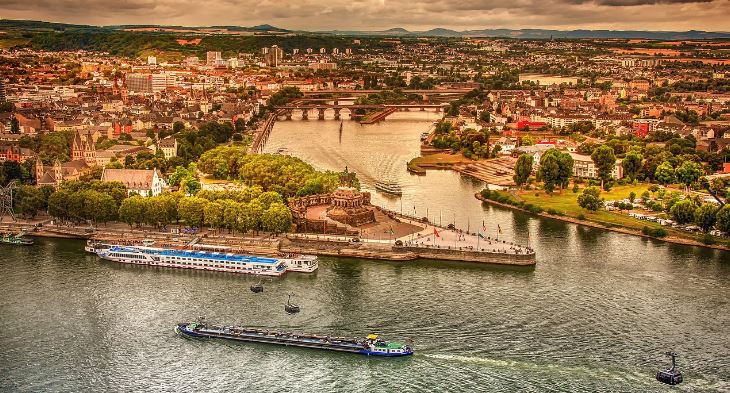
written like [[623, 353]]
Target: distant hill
[[9, 24], [268, 27], [542, 33]]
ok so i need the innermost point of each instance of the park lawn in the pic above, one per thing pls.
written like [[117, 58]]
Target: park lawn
[[567, 203]]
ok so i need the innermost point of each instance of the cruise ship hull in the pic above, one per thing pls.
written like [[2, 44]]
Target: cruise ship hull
[[192, 267], [203, 260]]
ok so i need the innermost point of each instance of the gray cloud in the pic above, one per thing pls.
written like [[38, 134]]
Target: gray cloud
[[383, 14]]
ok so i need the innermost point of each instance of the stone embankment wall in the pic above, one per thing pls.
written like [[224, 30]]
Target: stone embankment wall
[[388, 252], [474, 256]]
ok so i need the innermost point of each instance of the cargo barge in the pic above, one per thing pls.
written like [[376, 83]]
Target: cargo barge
[[370, 345]]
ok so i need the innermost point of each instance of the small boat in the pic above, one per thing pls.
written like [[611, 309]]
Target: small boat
[[289, 307], [16, 240], [670, 376], [257, 288], [95, 246], [282, 150], [425, 135], [390, 187], [371, 345]]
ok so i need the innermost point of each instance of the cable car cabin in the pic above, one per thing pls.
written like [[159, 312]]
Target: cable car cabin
[[670, 376]]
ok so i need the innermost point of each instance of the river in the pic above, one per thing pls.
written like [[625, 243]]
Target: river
[[594, 315]]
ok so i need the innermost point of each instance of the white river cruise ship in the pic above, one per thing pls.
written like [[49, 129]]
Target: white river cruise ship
[[204, 260]]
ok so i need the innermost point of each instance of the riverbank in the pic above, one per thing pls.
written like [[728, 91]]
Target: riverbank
[[607, 226], [271, 245]]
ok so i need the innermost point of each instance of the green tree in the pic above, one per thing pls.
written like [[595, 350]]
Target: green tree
[[132, 210], [213, 213], [254, 211], [161, 210], [240, 125], [665, 173], [705, 216], [555, 169], [231, 212], [688, 173], [723, 219], [179, 174], [14, 126], [632, 196], [57, 205], [565, 172], [632, 164], [268, 198], [277, 218], [99, 207], [177, 127], [29, 200], [223, 162], [190, 186], [645, 197], [590, 199], [523, 169], [9, 171], [683, 212], [191, 210], [605, 161]]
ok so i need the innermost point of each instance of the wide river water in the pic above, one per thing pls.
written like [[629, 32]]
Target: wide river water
[[594, 315]]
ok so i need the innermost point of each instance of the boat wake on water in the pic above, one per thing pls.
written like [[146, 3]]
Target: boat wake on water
[[537, 367]]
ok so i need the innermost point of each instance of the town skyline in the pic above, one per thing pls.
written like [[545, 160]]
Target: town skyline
[[378, 15]]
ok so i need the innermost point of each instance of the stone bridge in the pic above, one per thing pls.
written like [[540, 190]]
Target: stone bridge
[[320, 108]]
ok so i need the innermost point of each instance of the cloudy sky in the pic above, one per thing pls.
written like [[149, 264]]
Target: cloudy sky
[[709, 15]]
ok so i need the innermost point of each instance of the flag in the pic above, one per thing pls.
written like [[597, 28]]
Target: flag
[[435, 232], [499, 228], [480, 235]]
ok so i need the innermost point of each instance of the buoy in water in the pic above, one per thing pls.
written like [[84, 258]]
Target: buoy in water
[[670, 376]]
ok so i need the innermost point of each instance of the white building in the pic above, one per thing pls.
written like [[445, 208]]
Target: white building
[[583, 166], [144, 182], [168, 146]]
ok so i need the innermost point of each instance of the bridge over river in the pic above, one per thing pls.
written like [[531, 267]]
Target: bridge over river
[[305, 107]]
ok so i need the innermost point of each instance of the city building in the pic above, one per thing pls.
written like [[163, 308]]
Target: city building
[[583, 166], [274, 56], [145, 182], [148, 83], [83, 148], [168, 146], [212, 58]]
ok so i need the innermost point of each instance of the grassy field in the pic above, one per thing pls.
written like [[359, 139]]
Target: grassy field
[[567, 203]]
